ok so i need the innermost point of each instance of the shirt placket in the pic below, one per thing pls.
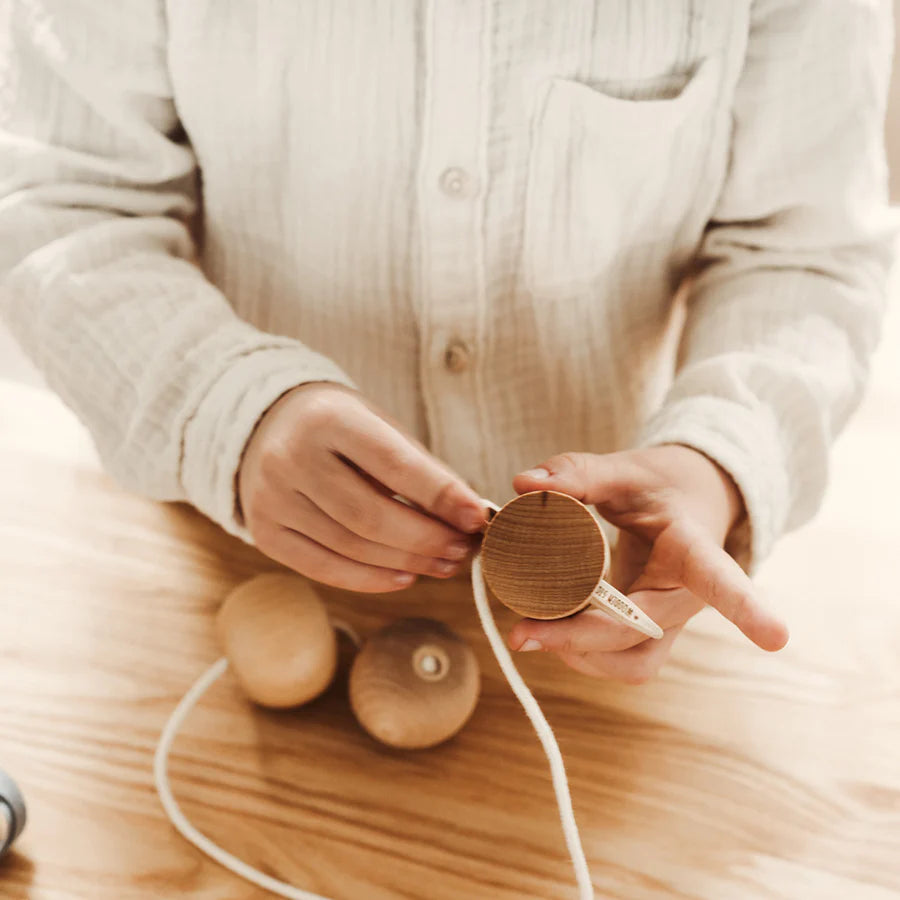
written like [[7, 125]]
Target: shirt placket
[[451, 185]]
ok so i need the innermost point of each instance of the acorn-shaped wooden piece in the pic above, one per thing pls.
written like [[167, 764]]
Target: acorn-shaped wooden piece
[[414, 684], [275, 631]]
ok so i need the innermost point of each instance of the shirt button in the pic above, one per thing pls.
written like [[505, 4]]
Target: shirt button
[[457, 357], [456, 182]]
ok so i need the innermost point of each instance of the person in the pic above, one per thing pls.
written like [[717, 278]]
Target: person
[[298, 263]]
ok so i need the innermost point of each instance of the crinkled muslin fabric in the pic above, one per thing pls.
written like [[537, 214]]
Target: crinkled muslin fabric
[[478, 213]]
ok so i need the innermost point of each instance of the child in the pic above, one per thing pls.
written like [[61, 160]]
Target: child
[[288, 261]]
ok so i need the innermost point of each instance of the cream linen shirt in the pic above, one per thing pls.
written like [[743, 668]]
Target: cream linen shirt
[[478, 213]]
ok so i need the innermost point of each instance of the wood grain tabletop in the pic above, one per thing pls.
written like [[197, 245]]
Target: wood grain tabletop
[[736, 775]]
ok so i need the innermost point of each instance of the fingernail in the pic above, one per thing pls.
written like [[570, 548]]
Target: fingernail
[[457, 550], [445, 567], [530, 644], [536, 474], [404, 578]]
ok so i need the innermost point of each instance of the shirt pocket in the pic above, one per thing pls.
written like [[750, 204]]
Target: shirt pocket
[[607, 176]]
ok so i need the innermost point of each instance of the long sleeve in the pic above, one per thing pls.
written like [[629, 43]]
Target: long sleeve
[[98, 278], [787, 299], [475, 220]]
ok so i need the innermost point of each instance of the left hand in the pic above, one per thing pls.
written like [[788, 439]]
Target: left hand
[[674, 508]]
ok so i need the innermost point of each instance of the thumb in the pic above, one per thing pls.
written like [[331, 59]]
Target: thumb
[[589, 477]]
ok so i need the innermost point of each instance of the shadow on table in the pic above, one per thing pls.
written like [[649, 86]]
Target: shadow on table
[[16, 876]]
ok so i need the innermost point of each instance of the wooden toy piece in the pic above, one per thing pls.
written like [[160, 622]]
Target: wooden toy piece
[[275, 631], [414, 684], [543, 555]]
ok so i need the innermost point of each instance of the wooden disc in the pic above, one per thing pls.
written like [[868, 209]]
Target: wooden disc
[[543, 554], [275, 631], [414, 684]]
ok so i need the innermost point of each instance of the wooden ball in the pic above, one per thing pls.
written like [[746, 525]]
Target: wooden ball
[[275, 631], [414, 684], [543, 554]]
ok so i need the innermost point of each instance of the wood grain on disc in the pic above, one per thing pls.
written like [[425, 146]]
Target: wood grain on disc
[[543, 554]]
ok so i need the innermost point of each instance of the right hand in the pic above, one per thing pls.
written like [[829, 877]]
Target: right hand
[[316, 486]]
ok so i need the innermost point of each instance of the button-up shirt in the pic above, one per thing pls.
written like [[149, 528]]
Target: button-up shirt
[[478, 213]]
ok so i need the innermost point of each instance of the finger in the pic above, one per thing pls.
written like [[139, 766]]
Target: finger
[[297, 512], [635, 666], [592, 631], [340, 492], [609, 480], [705, 569], [305, 556], [408, 470]]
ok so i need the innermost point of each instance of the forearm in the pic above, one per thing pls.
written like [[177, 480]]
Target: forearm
[[772, 365], [151, 357], [789, 291], [97, 272]]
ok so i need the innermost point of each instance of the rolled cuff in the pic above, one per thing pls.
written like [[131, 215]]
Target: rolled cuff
[[746, 443], [216, 434]]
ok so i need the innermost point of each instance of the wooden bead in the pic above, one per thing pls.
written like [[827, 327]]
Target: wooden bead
[[414, 684], [275, 631], [543, 554]]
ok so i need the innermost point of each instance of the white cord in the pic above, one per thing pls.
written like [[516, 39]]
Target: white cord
[[282, 888], [543, 729], [177, 817]]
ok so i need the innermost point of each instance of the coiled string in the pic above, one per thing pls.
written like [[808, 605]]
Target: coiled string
[[282, 888]]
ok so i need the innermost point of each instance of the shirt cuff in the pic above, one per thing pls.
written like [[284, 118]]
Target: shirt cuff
[[746, 444], [217, 432]]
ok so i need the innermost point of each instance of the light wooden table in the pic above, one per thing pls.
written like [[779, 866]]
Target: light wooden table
[[735, 775]]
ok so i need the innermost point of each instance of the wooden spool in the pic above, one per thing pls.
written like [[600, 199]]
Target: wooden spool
[[414, 684], [274, 629], [543, 555]]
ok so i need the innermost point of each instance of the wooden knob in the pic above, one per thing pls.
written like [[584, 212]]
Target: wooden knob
[[414, 684], [543, 554], [275, 632]]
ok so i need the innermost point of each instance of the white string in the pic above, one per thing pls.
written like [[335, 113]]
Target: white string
[[543, 729], [282, 888], [177, 817]]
